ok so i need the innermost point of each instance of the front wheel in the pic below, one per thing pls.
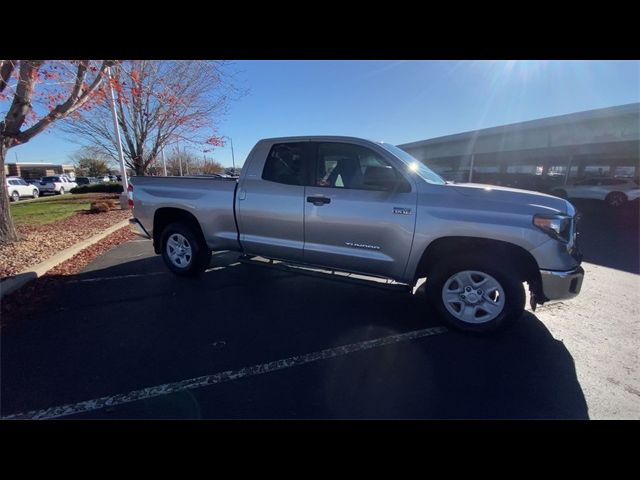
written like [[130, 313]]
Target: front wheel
[[184, 251], [15, 196], [474, 295], [36, 194], [61, 191]]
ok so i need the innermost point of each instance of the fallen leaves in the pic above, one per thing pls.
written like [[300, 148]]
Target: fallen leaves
[[40, 242]]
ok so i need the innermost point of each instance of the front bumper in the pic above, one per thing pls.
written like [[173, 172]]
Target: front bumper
[[561, 285]]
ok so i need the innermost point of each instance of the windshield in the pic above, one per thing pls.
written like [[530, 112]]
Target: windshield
[[51, 179], [414, 165]]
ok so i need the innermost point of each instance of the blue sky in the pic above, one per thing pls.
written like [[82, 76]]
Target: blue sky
[[395, 101]]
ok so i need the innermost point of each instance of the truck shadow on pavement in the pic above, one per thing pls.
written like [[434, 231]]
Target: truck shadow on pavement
[[133, 325]]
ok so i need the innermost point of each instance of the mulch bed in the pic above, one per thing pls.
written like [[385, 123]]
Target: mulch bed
[[32, 297], [40, 242]]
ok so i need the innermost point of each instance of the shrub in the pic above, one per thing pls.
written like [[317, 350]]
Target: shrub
[[111, 187], [99, 207]]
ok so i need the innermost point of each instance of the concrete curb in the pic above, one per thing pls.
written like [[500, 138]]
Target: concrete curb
[[12, 284]]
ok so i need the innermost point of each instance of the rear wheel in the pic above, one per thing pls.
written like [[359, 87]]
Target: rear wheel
[[183, 250], [15, 196], [61, 190], [36, 194], [616, 199], [474, 295]]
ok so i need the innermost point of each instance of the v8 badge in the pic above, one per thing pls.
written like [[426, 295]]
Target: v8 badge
[[402, 211]]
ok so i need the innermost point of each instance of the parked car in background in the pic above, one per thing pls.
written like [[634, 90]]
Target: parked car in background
[[83, 181], [19, 188], [57, 184], [614, 191], [103, 178], [86, 181]]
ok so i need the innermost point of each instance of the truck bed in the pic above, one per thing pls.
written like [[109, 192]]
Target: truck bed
[[209, 199]]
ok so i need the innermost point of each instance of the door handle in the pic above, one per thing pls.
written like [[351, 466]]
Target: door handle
[[318, 201]]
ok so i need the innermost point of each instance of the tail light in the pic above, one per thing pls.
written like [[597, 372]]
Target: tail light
[[130, 195]]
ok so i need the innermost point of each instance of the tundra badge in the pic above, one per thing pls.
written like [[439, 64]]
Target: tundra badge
[[362, 245]]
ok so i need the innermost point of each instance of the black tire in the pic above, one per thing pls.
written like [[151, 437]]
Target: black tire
[[512, 285], [15, 196], [616, 199], [36, 194], [61, 192], [200, 253]]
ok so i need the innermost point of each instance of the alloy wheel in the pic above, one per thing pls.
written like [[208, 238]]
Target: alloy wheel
[[473, 297]]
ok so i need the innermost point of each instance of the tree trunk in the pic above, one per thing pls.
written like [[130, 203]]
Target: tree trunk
[[138, 165], [7, 229]]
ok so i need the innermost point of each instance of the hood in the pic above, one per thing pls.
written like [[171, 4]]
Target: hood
[[493, 193]]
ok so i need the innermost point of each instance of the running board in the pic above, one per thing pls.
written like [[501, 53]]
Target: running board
[[353, 278]]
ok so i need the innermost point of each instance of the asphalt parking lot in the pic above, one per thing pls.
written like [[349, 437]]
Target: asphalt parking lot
[[126, 339]]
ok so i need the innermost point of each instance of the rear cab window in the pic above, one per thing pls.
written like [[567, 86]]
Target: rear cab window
[[286, 164]]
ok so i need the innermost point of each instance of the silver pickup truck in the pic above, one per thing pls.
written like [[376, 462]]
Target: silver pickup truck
[[360, 207]]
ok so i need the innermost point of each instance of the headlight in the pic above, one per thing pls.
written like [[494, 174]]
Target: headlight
[[556, 226]]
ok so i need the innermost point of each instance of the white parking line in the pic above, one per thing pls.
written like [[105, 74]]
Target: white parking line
[[117, 277], [227, 376]]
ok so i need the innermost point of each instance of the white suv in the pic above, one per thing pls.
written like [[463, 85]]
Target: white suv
[[56, 184], [18, 188]]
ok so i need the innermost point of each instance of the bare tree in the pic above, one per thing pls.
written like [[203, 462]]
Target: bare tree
[[158, 103], [33, 95], [207, 167], [181, 161], [91, 161]]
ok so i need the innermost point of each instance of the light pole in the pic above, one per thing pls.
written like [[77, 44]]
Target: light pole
[[233, 159], [116, 127], [176, 153]]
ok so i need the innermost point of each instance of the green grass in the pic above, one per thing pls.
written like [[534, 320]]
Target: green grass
[[49, 209]]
